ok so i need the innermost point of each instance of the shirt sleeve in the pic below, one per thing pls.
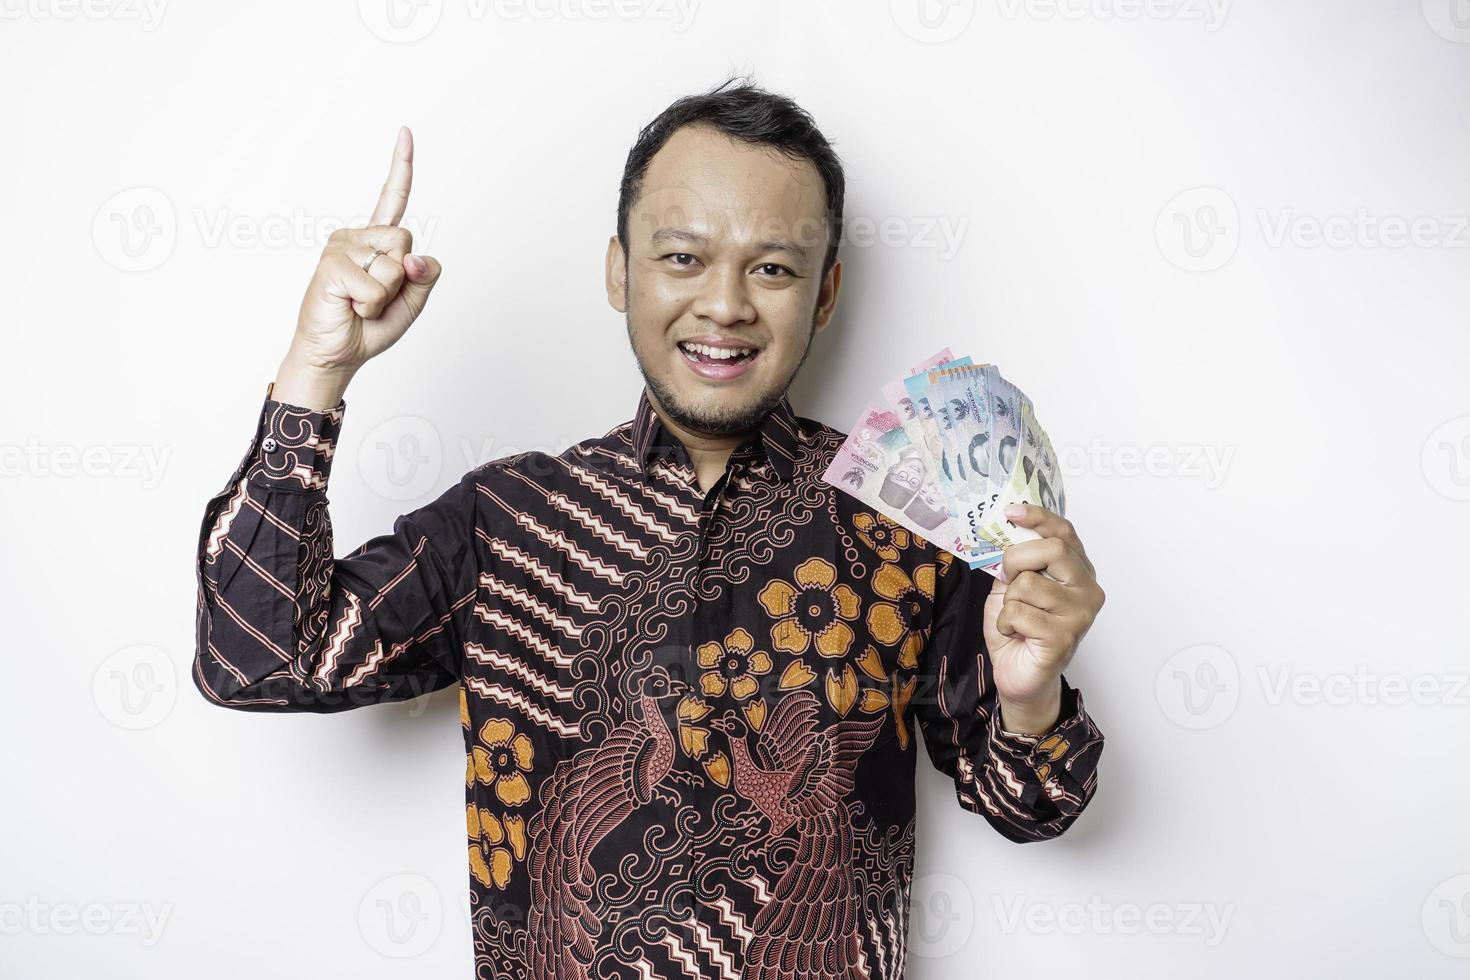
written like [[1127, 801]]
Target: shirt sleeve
[[1029, 787], [282, 625]]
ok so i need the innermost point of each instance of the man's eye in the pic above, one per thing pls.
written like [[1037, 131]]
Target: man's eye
[[680, 258], [774, 269]]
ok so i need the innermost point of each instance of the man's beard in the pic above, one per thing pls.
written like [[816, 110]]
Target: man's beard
[[722, 422]]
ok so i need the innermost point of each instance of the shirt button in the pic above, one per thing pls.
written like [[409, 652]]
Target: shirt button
[[269, 445]]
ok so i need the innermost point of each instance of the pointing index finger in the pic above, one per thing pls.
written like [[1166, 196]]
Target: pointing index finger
[[394, 199]]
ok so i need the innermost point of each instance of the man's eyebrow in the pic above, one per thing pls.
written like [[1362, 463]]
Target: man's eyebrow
[[664, 236]]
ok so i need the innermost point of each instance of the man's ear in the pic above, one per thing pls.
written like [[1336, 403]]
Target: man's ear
[[617, 275], [827, 296]]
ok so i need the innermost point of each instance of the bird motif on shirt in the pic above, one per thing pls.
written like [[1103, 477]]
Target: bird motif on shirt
[[586, 799], [808, 929]]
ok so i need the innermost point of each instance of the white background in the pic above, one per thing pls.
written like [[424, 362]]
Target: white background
[[1259, 387]]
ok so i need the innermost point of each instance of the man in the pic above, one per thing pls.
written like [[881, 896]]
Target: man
[[690, 671]]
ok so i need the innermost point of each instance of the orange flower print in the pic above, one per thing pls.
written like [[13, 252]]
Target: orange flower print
[[495, 845], [503, 760], [892, 621], [811, 612], [881, 534], [733, 667]]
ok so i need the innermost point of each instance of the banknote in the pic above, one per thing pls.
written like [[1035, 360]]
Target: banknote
[[945, 450], [878, 465]]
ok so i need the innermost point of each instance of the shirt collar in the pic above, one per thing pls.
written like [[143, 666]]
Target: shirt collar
[[777, 436]]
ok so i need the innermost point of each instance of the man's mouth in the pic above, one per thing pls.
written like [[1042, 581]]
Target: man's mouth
[[708, 354]]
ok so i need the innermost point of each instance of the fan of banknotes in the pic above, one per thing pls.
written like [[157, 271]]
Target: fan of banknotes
[[944, 451]]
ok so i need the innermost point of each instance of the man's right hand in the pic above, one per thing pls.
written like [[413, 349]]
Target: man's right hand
[[348, 315]]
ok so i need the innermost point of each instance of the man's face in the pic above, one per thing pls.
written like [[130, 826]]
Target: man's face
[[725, 248]]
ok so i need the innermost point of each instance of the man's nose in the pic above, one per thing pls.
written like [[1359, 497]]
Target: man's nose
[[724, 297]]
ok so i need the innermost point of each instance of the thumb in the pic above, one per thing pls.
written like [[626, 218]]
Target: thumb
[[421, 272]]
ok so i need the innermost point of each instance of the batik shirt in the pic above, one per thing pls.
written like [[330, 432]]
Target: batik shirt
[[690, 717]]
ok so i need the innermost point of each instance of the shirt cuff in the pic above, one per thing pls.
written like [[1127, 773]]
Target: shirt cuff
[[1053, 755], [293, 445]]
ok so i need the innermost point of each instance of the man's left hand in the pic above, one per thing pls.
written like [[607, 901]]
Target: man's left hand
[[1038, 610]]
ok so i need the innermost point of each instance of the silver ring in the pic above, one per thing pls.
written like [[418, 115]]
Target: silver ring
[[371, 259]]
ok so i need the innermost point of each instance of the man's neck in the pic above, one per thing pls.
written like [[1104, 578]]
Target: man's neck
[[709, 454]]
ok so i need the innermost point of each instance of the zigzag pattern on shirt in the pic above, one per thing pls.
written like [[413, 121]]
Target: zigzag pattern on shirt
[[718, 957], [559, 541], [346, 627], [598, 526], [888, 943], [369, 665], [514, 699], [672, 505], [733, 920], [681, 956], [540, 572], [529, 603], [221, 529], [517, 667], [622, 502], [524, 633]]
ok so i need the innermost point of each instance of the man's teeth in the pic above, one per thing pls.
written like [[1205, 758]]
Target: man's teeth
[[718, 353]]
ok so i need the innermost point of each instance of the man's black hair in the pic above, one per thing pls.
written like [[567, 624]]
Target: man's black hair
[[741, 110]]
